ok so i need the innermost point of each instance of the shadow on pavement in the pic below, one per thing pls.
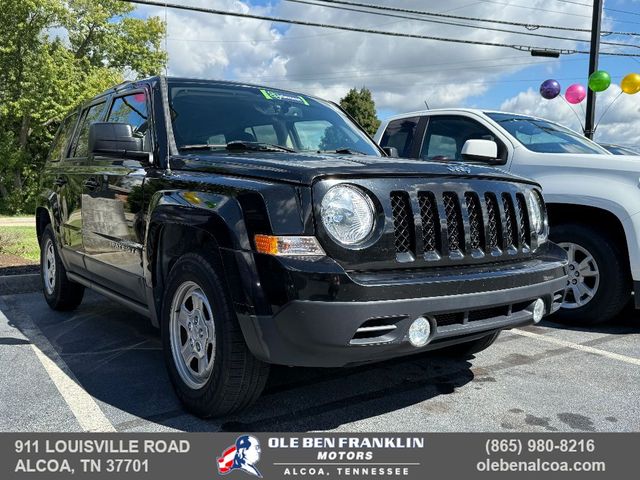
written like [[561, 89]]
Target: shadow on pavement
[[116, 356]]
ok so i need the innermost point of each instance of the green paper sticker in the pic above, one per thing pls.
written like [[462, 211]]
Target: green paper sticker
[[271, 95]]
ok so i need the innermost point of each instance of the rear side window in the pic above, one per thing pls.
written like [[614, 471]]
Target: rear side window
[[80, 147], [61, 140], [400, 134], [132, 109]]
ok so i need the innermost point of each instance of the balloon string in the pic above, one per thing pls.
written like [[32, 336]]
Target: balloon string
[[574, 112], [606, 110]]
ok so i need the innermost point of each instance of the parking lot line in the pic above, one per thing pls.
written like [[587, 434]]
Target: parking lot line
[[82, 405], [577, 346]]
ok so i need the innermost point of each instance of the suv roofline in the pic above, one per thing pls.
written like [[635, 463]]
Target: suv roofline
[[476, 111]]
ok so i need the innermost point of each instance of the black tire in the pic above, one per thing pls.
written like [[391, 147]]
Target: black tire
[[60, 292], [467, 349], [614, 286], [237, 378]]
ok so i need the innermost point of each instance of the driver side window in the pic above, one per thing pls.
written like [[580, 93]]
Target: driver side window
[[132, 109], [447, 134]]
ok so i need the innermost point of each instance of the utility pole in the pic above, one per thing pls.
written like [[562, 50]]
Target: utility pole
[[596, 22]]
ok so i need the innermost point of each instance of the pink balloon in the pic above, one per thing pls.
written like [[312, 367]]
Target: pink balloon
[[575, 93]]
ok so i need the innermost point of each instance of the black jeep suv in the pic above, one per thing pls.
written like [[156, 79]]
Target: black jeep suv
[[258, 226]]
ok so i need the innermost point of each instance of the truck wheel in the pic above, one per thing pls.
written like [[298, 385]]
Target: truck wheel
[[59, 292], [598, 286], [209, 364], [469, 348]]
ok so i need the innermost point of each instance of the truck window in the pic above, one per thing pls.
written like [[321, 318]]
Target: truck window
[[80, 147], [400, 134], [132, 109], [61, 141], [446, 135]]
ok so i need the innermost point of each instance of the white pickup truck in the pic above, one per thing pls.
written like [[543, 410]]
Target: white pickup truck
[[593, 197]]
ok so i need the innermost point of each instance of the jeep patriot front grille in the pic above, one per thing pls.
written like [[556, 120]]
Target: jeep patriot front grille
[[459, 224]]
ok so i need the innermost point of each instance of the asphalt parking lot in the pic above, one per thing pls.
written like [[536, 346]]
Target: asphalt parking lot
[[100, 368]]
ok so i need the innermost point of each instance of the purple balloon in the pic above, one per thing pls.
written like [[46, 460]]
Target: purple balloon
[[550, 89]]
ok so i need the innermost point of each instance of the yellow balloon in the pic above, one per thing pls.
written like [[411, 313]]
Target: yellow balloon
[[631, 83]]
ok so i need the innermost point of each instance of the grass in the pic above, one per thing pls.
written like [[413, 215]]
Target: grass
[[21, 242]]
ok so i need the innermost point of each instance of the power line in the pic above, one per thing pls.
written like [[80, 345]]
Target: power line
[[524, 48], [508, 4], [528, 26], [444, 22], [605, 8]]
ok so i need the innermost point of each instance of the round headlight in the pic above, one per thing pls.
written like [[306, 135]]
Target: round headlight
[[538, 219], [347, 214]]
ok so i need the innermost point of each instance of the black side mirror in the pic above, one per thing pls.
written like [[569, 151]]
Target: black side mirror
[[391, 152], [114, 138]]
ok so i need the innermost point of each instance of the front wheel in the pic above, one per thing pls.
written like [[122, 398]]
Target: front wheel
[[59, 292], [598, 286], [209, 364]]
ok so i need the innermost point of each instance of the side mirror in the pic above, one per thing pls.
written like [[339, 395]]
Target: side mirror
[[477, 150], [391, 152], [113, 138]]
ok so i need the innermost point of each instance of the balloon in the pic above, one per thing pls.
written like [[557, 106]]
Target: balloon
[[599, 81], [550, 89], [575, 93], [631, 83]]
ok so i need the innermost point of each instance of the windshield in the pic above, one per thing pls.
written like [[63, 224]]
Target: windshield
[[213, 116], [617, 150], [545, 137]]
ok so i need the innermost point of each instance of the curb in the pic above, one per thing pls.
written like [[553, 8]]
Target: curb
[[14, 284]]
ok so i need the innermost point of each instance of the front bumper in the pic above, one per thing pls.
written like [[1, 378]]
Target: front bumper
[[461, 306]]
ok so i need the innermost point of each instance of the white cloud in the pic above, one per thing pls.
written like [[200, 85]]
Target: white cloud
[[615, 126], [401, 72]]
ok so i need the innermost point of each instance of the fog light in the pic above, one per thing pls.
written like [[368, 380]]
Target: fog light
[[538, 310], [419, 332]]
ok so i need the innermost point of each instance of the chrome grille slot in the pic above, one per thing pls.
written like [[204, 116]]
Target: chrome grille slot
[[404, 228], [510, 223], [476, 227], [523, 218], [430, 225], [495, 226], [455, 227]]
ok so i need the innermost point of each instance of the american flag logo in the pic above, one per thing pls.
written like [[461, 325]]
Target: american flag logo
[[225, 462]]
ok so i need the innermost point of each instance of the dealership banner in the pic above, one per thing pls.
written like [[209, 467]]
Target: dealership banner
[[317, 455]]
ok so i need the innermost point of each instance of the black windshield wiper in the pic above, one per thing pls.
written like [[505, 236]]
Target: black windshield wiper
[[343, 151], [239, 145], [200, 146]]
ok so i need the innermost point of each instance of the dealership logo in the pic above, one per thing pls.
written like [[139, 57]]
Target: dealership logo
[[242, 456], [458, 169]]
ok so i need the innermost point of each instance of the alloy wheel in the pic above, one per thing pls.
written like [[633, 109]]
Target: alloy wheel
[[584, 276]]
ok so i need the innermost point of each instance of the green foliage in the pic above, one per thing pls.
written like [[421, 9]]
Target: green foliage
[[360, 105], [55, 54], [21, 242]]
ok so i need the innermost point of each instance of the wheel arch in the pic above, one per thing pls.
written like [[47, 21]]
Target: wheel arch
[[590, 215], [43, 218]]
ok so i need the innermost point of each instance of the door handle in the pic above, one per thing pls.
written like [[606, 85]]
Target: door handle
[[60, 181], [91, 184]]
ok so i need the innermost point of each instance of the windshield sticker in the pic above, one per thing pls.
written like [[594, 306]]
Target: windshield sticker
[[271, 95]]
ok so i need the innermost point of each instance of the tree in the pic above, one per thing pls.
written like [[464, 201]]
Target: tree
[[54, 54], [360, 105]]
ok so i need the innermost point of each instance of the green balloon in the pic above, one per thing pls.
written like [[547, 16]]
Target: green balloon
[[599, 81]]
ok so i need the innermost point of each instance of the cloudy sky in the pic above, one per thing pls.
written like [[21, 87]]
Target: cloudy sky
[[401, 72]]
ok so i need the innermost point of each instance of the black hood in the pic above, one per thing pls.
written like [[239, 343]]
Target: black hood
[[305, 168]]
